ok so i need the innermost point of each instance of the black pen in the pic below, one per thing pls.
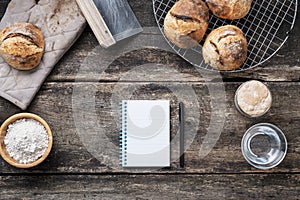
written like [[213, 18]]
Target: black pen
[[181, 123]]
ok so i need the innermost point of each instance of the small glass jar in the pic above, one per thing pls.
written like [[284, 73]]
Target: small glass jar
[[253, 99], [264, 146]]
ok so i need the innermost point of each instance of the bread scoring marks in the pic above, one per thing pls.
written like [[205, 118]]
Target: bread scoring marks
[[12, 35], [220, 59], [226, 35], [182, 17]]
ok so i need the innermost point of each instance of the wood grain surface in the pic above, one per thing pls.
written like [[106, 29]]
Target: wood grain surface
[[245, 186], [73, 171], [54, 103]]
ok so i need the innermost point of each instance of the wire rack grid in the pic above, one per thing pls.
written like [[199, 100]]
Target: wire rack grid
[[266, 27]]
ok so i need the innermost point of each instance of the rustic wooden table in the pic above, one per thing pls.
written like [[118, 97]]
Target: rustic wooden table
[[72, 171]]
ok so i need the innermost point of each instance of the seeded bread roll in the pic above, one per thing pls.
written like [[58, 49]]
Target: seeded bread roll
[[225, 48], [229, 9], [22, 45], [186, 23]]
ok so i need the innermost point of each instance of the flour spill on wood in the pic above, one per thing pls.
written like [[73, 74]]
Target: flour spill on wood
[[26, 140]]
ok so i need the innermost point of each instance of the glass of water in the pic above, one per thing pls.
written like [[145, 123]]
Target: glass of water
[[264, 146]]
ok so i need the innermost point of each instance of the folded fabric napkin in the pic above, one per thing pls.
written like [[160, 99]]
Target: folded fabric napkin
[[61, 23]]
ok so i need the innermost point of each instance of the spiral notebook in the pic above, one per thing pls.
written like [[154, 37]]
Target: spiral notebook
[[145, 133]]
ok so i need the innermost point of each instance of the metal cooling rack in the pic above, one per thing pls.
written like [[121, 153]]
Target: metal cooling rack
[[266, 27]]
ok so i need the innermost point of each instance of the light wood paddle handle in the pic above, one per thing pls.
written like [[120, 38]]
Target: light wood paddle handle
[[96, 22]]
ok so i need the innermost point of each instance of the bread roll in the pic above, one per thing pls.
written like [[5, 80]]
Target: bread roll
[[229, 9], [225, 48], [186, 23], [22, 45]]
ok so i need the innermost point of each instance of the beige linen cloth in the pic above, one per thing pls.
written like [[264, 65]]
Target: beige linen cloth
[[61, 23]]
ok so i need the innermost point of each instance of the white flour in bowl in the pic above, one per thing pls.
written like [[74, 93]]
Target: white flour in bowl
[[26, 140]]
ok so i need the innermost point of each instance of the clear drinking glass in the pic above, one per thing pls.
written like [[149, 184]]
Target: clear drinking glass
[[264, 146]]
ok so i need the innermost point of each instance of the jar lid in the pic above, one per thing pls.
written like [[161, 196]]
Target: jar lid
[[253, 99]]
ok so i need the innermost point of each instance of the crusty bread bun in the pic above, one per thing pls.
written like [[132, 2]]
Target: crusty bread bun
[[186, 23], [225, 48], [229, 9], [22, 45]]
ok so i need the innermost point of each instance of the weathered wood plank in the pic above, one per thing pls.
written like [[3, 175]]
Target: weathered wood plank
[[273, 186], [96, 117], [284, 66]]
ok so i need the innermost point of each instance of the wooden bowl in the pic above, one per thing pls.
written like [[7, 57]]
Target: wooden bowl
[[3, 152]]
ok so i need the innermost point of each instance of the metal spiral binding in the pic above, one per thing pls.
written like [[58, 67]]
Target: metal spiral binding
[[123, 133]]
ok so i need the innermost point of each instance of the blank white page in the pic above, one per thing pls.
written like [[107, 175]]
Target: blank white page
[[145, 134]]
